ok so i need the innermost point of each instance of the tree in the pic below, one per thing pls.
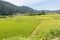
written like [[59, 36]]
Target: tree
[[42, 13]]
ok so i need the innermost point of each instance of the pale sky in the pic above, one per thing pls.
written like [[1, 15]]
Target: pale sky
[[38, 4]]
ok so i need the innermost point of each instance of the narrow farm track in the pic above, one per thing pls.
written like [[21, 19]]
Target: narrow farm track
[[55, 38], [35, 31]]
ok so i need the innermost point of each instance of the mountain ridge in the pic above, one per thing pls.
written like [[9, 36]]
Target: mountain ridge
[[7, 8]]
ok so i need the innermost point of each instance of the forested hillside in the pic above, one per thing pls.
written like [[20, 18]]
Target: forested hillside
[[7, 8]]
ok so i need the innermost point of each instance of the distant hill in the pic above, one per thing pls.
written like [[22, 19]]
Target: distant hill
[[24, 9], [58, 11], [7, 8], [54, 11]]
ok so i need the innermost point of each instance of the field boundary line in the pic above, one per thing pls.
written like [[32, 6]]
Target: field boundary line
[[34, 31]]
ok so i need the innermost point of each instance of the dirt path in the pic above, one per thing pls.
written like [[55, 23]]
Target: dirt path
[[34, 32], [55, 38]]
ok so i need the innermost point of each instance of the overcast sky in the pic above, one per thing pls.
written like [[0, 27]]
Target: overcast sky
[[38, 4]]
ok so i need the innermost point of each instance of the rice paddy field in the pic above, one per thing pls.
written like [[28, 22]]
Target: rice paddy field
[[21, 27]]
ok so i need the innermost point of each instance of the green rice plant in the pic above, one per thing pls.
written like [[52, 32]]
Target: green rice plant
[[19, 25]]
